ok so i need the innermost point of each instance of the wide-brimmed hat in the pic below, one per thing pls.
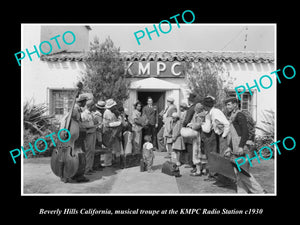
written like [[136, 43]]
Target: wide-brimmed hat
[[100, 104], [110, 103], [175, 115], [183, 105], [81, 98], [170, 99], [89, 103]]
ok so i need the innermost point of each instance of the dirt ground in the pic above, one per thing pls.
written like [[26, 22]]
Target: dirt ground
[[39, 179]]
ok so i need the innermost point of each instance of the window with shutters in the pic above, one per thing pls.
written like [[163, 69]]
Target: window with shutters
[[60, 101], [245, 102]]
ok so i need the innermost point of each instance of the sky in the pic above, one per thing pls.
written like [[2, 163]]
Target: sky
[[190, 37]]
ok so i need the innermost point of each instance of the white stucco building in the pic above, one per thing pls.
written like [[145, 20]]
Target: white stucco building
[[52, 78]]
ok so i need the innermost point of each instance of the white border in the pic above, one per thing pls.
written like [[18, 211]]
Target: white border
[[116, 24]]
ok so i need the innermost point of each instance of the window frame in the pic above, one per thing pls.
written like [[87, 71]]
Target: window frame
[[232, 93], [51, 100]]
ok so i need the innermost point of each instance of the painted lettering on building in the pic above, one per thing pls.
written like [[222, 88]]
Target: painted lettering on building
[[154, 69]]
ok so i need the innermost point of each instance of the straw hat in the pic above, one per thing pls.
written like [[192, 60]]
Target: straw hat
[[175, 115], [81, 98], [184, 105], [100, 104], [170, 99], [110, 103], [89, 103]]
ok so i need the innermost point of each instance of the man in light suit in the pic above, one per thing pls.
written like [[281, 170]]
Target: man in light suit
[[150, 112], [188, 153], [165, 114]]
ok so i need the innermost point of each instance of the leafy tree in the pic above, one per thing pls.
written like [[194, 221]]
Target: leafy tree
[[104, 73], [206, 78]]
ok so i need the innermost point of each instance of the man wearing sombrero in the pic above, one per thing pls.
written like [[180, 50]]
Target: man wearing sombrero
[[111, 126], [100, 108]]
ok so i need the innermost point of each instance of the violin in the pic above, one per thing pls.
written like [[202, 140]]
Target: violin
[[68, 160]]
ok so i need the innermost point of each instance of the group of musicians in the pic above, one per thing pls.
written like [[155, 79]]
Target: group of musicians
[[94, 120], [227, 135], [230, 132]]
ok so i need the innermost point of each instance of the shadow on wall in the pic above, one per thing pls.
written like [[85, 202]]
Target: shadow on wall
[[255, 67], [66, 65]]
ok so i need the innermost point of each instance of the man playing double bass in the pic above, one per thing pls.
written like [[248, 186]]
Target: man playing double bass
[[79, 143], [69, 158]]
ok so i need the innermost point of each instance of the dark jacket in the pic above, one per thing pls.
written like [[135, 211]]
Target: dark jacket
[[189, 115], [151, 114], [240, 125]]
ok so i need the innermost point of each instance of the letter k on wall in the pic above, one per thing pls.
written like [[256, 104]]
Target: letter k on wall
[[127, 69]]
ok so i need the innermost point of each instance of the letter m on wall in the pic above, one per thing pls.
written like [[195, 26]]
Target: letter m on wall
[[143, 70]]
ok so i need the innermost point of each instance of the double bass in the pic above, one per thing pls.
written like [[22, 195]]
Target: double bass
[[68, 160]]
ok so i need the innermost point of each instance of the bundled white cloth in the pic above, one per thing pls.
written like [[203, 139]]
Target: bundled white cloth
[[187, 132], [87, 118]]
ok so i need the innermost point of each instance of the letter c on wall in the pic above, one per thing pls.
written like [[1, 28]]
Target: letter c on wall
[[173, 68]]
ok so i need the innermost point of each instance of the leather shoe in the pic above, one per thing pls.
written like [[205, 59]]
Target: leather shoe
[[193, 170], [195, 174]]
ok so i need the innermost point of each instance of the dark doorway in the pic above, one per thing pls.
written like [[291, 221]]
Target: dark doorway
[[158, 100]]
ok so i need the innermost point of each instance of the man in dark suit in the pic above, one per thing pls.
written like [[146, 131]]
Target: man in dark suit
[[150, 112]]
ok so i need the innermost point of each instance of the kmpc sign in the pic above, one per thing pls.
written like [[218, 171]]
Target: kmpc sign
[[154, 69]]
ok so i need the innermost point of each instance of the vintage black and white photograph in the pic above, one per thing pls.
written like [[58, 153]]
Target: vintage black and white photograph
[[148, 109]]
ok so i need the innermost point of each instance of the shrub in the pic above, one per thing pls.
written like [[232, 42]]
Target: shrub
[[37, 124], [268, 133]]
